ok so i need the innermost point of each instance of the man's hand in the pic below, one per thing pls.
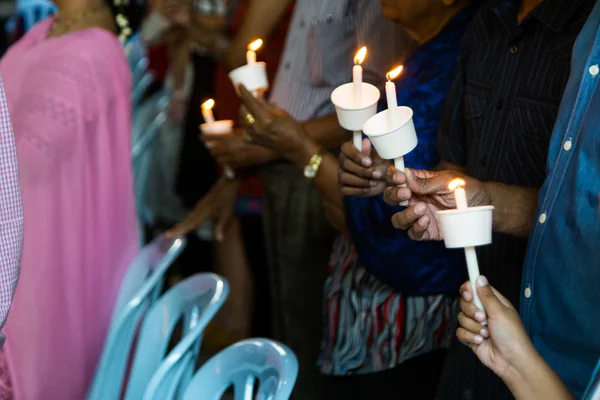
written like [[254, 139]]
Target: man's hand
[[219, 204], [427, 192], [270, 126], [335, 216], [236, 151], [361, 173], [502, 344]]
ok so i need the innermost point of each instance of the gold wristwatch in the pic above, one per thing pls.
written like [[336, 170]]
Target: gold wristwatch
[[310, 171]]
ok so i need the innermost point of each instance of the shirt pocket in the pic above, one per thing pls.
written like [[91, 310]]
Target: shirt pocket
[[331, 46], [477, 100], [530, 127]]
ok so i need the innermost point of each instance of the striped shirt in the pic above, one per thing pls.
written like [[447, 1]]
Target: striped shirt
[[318, 57], [11, 213]]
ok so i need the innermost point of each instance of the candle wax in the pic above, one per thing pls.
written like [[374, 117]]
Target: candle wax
[[250, 57], [460, 196], [208, 116], [357, 76], [392, 101]]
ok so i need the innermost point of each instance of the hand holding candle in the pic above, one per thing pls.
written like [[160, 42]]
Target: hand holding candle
[[460, 197], [212, 127]]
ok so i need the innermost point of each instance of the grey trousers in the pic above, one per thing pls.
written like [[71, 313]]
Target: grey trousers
[[298, 241]]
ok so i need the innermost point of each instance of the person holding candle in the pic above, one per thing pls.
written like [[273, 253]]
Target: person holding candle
[[502, 146], [362, 357], [504, 347]]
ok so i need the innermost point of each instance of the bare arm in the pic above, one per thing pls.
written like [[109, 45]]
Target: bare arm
[[326, 131], [515, 208], [261, 18]]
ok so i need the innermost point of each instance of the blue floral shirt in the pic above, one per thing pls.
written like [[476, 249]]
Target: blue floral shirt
[[414, 267]]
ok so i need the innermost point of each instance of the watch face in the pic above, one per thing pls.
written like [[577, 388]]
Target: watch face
[[309, 172]]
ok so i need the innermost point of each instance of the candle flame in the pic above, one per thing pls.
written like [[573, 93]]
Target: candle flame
[[208, 104], [455, 184], [393, 74], [360, 55], [255, 45]]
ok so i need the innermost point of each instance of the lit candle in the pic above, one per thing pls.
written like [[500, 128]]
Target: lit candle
[[357, 75], [460, 197], [251, 53], [392, 101], [207, 113]]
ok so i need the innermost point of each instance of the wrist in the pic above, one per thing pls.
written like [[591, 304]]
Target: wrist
[[302, 154]]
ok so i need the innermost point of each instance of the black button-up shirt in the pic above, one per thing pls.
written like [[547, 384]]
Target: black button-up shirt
[[498, 121]]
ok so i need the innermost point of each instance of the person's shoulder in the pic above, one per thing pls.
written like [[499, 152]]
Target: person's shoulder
[[97, 44]]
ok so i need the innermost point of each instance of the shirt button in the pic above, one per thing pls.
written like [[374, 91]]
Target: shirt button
[[484, 162], [302, 24], [594, 69], [514, 49], [329, 18], [288, 65], [499, 105], [568, 144], [527, 292], [542, 218]]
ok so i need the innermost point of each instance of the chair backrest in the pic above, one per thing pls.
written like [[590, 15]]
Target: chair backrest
[[196, 300], [32, 12], [269, 364], [142, 152], [140, 287]]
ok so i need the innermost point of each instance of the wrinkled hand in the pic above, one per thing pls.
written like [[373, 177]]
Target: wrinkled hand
[[503, 343], [361, 173], [235, 150], [272, 126], [427, 192], [219, 204]]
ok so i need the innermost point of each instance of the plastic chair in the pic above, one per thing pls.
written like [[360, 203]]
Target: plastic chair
[[32, 12], [139, 289], [197, 299], [272, 364]]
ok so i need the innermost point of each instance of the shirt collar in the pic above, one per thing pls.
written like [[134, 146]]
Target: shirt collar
[[552, 13]]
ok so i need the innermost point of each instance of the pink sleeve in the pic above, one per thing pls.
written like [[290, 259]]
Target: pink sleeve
[[11, 213]]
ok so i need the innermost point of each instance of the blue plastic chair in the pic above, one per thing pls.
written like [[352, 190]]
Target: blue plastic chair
[[140, 288], [32, 12], [271, 364], [196, 299]]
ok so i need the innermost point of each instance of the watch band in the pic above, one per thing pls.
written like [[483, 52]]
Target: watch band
[[310, 171]]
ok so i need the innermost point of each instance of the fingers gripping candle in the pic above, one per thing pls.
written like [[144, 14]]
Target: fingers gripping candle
[[460, 196], [357, 77]]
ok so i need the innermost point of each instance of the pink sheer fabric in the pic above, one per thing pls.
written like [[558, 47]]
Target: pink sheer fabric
[[69, 101]]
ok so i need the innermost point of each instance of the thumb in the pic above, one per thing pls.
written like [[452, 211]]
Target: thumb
[[366, 147], [430, 184], [491, 302]]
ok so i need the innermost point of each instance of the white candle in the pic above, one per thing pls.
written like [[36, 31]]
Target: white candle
[[399, 164], [357, 140], [207, 113], [392, 101], [460, 197], [357, 75], [251, 53]]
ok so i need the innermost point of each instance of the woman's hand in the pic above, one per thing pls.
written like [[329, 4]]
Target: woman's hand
[[219, 204], [361, 173], [270, 126], [427, 193], [503, 344], [236, 151]]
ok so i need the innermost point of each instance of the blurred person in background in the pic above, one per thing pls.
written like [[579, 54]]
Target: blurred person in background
[[322, 37], [389, 303], [68, 86]]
